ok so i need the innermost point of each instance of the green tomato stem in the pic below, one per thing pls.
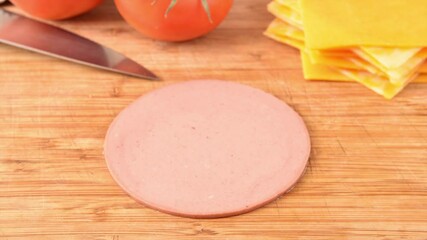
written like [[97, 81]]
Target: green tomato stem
[[205, 5], [207, 10], [171, 5]]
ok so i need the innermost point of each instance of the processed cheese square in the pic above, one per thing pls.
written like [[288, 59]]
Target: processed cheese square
[[377, 83], [317, 57], [294, 5], [394, 73], [320, 72], [393, 62], [280, 27], [385, 70], [285, 14], [324, 60], [349, 23], [314, 71], [285, 39], [391, 57]]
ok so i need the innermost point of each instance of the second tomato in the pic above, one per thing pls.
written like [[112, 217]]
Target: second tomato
[[56, 9], [174, 20]]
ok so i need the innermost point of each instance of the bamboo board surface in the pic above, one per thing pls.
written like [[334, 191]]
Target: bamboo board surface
[[367, 177]]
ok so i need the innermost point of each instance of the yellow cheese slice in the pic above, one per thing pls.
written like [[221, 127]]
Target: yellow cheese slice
[[287, 34], [285, 14], [320, 72], [339, 59], [381, 58], [280, 27], [329, 58], [388, 60], [376, 80], [392, 73], [319, 58], [294, 5], [423, 68], [334, 53], [365, 66], [285, 39], [362, 64], [346, 61], [422, 78], [371, 70], [323, 72], [391, 57], [377, 83], [380, 84], [348, 23]]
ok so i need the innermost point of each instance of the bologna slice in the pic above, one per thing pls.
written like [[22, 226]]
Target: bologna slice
[[207, 149]]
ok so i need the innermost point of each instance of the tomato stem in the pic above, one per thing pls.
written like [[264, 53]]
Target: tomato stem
[[205, 5], [207, 10], [171, 5]]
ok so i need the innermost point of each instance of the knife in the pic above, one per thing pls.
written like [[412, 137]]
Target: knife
[[19, 31]]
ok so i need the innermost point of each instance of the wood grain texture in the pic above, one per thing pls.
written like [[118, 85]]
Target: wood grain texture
[[368, 170]]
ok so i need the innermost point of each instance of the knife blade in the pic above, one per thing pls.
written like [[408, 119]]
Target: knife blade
[[20, 31]]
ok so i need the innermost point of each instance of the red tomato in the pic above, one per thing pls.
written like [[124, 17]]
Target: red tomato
[[56, 9], [186, 20]]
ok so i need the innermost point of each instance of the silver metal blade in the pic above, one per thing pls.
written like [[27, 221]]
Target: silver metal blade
[[23, 32]]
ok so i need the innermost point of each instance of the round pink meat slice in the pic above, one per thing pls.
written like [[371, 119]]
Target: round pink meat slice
[[207, 149]]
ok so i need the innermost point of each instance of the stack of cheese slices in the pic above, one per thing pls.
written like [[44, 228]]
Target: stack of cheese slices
[[381, 44]]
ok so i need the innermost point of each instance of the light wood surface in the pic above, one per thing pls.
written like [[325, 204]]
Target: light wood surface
[[367, 177]]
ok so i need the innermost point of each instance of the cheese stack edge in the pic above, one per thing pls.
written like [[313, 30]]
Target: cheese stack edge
[[351, 40]]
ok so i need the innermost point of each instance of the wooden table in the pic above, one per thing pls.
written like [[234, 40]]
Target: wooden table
[[367, 177]]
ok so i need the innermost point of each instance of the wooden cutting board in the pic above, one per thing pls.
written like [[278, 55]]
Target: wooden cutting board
[[368, 170]]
